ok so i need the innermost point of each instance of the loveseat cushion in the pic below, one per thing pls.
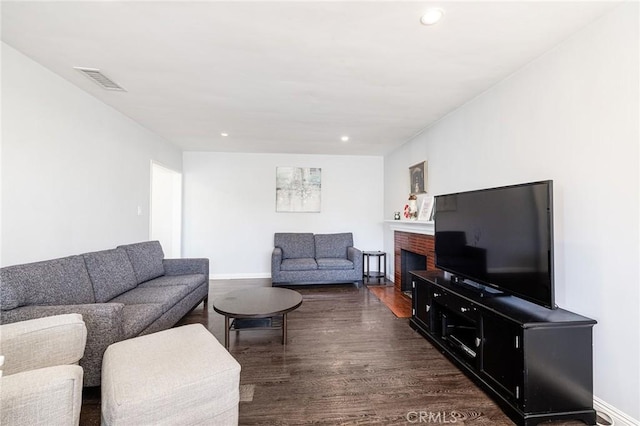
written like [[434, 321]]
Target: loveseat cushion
[[63, 281], [295, 245], [111, 273], [146, 259], [333, 245], [335, 264], [305, 264]]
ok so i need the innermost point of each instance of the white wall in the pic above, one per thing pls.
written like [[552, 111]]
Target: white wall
[[571, 116], [74, 171], [230, 213]]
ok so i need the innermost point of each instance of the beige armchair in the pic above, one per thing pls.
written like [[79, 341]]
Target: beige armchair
[[40, 381]]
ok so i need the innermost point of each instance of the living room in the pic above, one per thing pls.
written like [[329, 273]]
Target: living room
[[75, 178]]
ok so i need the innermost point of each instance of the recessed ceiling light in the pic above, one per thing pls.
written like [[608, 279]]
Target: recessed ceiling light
[[344, 138], [223, 134], [432, 16]]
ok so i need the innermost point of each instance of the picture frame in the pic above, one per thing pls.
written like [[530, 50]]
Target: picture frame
[[298, 189], [418, 178], [426, 209]]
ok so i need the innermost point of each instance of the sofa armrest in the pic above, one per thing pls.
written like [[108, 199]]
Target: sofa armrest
[[105, 325], [186, 266], [276, 259], [42, 342], [51, 395], [355, 255], [102, 319]]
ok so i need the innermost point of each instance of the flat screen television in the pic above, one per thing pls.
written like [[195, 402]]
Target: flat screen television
[[501, 238]]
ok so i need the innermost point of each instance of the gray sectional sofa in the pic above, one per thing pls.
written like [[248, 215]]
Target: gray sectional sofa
[[305, 258], [121, 293]]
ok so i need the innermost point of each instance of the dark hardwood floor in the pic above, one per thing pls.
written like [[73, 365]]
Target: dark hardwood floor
[[349, 360]]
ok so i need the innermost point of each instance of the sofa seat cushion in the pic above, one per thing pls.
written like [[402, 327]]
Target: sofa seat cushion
[[111, 273], [63, 281], [166, 296], [192, 281], [333, 245], [332, 263], [305, 264], [146, 259], [136, 318], [295, 245]]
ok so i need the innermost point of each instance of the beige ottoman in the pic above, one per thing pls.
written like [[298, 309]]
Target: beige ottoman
[[181, 376]]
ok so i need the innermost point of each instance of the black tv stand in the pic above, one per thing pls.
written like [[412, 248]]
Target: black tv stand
[[536, 363]]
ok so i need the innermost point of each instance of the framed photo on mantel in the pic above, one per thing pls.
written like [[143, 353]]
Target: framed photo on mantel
[[426, 209], [418, 178]]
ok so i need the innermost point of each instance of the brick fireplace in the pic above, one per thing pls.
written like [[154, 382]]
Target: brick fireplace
[[421, 244]]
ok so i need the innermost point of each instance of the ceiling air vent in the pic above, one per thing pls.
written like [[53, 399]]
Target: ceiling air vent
[[100, 79]]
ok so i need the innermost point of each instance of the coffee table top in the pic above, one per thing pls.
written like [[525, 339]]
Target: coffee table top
[[257, 302]]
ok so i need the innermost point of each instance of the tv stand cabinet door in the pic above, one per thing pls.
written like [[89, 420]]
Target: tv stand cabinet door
[[501, 360], [422, 297], [558, 368]]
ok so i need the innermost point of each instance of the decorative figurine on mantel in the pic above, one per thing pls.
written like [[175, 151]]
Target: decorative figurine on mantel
[[411, 209]]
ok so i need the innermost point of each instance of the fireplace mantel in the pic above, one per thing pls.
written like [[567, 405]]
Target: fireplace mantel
[[412, 226]]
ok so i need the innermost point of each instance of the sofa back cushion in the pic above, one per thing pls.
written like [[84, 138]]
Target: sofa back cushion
[[111, 273], [63, 281], [333, 245], [146, 259], [295, 245]]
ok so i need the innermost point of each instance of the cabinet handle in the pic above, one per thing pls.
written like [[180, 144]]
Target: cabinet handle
[[427, 307], [413, 284], [436, 294], [517, 392], [464, 309], [517, 342], [478, 341]]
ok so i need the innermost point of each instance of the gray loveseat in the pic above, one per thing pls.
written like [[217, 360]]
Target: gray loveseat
[[305, 258], [121, 293]]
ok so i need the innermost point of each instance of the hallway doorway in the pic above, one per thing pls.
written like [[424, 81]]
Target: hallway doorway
[[166, 209]]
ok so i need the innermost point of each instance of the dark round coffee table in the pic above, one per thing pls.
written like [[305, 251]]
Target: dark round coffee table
[[263, 302]]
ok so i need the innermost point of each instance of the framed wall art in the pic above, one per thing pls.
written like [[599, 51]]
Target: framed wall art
[[418, 178], [298, 189]]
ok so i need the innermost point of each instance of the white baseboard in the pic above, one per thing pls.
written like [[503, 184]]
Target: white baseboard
[[618, 418], [239, 276]]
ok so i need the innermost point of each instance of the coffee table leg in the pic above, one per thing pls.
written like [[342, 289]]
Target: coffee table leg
[[284, 329], [226, 332]]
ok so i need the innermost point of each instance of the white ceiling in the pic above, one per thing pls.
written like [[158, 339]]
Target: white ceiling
[[291, 76]]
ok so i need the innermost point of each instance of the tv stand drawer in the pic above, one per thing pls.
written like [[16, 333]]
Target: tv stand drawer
[[456, 304]]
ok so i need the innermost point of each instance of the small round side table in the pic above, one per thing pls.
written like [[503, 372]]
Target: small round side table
[[381, 273]]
